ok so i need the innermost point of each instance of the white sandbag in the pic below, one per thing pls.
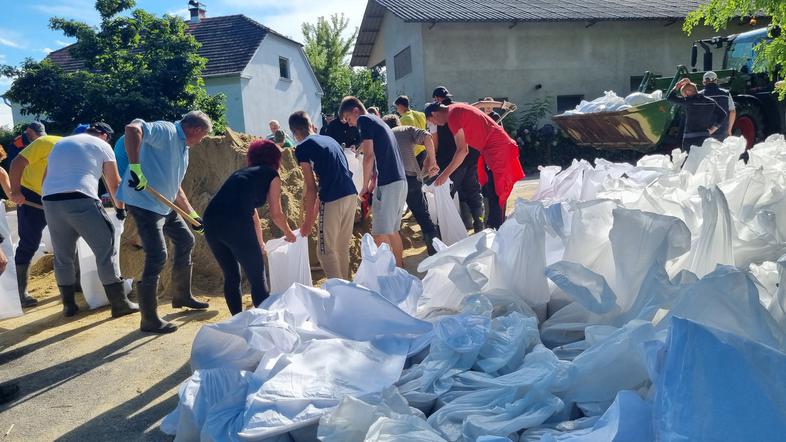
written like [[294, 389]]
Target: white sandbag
[[45, 248], [377, 261], [92, 288], [402, 428], [734, 385], [640, 98], [356, 167], [289, 263], [10, 306], [451, 227]]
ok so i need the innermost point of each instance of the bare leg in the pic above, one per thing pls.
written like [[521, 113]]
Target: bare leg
[[398, 248]]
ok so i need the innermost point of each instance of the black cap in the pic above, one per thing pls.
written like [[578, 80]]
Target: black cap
[[102, 127], [434, 107], [441, 92]]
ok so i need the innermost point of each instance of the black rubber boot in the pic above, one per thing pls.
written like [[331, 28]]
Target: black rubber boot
[[67, 293], [181, 295], [22, 274], [8, 392], [121, 306], [146, 292]]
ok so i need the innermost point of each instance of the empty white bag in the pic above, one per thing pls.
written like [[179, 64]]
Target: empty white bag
[[356, 167], [289, 263], [92, 288], [451, 227], [9, 293]]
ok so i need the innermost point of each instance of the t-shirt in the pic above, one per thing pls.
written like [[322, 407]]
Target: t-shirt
[[37, 155], [343, 133], [121, 156], [329, 162], [407, 138], [415, 119], [241, 193], [163, 157], [446, 146], [77, 165], [480, 130], [389, 166]]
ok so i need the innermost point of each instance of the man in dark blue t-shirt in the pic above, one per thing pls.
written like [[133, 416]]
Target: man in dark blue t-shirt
[[379, 144], [337, 202]]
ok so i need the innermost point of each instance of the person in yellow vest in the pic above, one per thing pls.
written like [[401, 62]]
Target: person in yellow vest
[[409, 117]]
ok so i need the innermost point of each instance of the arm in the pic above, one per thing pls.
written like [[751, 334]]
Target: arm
[[18, 166], [3, 259], [258, 230], [367, 146], [720, 117], [133, 141], [276, 212], [462, 149], [310, 199], [181, 200], [5, 183], [732, 119], [112, 181], [430, 165], [673, 98]]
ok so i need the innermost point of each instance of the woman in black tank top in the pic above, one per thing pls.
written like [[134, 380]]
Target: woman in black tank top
[[232, 228]]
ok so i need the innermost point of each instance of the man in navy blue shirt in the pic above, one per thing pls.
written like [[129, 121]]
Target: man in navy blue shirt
[[337, 202], [379, 144]]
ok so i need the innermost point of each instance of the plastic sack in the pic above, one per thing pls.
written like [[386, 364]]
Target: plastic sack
[[377, 261], [451, 227], [402, 428], [45, 248], [92, 288], [10, 306], [356, 167], [289, 263], [734, 385], [640, 98]]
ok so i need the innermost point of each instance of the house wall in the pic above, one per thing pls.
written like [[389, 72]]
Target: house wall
[[230, 86], [533, 60], [267, 96], [398, 35]]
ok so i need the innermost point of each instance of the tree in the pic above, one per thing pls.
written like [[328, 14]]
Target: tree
[[328, 52], [771, 55], [135, 66]]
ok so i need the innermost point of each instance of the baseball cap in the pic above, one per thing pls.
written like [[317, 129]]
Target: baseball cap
[[37, 127], [710, 76], [80, 129], [103, 128], [441, 92], [433, 107]]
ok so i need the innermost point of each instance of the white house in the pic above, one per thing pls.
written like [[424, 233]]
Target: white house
[[521, 50], [264, 75]]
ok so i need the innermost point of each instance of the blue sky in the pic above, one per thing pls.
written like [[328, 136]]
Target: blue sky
[[24, 24]]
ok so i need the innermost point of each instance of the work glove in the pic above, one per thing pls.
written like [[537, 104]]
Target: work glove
[[121, 214], [195, 216], [138, 181]]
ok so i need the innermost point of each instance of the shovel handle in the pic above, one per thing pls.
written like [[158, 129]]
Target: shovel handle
[[173, 206]]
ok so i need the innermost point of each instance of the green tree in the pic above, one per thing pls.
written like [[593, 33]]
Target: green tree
[[328, 52], [135, 66]]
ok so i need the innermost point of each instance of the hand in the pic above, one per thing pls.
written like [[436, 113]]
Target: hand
[[364, 192], [121, 214], [431, 170], [195, 216], [138, 180], [290, 237], [3, 262], [712, 130], [17, 198], [304, 231], [441, 180]]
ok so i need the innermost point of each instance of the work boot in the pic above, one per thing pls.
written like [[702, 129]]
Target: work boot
[[121, 306], [22, 274], [181, 295], [67, 293], [8, 392], [146, 292]]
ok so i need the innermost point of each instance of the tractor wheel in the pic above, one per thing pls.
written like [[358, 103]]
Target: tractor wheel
[[749, 124]]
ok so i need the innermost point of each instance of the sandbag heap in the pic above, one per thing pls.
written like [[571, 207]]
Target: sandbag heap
[[610, 102], [624, 302]]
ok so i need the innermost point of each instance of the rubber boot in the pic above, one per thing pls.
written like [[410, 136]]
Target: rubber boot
[[182, 297], [67, 293], [22, 274], [121, 306], [146, 292]]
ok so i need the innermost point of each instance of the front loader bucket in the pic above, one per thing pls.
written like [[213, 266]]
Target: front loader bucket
[[639, 128]]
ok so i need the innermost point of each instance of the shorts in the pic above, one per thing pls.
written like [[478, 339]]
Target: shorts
[[388, 208]]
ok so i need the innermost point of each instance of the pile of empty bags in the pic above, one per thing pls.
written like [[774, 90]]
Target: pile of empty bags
[[611, 102], [628, 303]]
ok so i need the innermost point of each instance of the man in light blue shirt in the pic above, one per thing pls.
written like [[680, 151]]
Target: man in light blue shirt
[[158, 157]]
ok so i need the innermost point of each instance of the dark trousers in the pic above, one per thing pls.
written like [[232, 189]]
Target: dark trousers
[[235, 247], [417, 204], [465, 182], [31, 223], [694, 141], [496, 213], [151, 228]]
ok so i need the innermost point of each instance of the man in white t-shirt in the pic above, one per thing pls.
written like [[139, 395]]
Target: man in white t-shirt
[[73, 209]]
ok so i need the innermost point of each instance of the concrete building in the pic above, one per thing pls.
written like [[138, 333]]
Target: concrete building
[[521, 50], [264, 75]]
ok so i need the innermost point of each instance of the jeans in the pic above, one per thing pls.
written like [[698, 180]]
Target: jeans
[[236, 246], [31, 223], [151, 228], [417, 204]]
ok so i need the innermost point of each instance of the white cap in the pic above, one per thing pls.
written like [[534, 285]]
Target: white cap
[[710, 76]]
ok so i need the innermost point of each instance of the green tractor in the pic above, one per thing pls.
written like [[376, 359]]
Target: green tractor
[[657, 126]]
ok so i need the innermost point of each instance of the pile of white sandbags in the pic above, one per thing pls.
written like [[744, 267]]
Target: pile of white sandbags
[[624, 303], [611, 102]]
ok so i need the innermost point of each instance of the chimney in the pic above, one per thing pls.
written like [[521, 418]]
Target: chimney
[[197, 10]]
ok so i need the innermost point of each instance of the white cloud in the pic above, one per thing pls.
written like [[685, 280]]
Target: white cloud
[[83, 10], [62, 42], [47, 50], [180, 13], [10, 43]]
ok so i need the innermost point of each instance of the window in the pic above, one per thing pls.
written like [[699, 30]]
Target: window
[[568, 102], [283, 67], [402, 63]]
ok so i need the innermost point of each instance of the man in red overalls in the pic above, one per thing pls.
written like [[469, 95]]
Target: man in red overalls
[[472, 127]]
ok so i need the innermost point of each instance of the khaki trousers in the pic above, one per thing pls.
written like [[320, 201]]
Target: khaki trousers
[[336, 220]]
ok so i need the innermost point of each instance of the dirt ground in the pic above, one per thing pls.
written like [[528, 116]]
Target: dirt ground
[[94, 378]]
